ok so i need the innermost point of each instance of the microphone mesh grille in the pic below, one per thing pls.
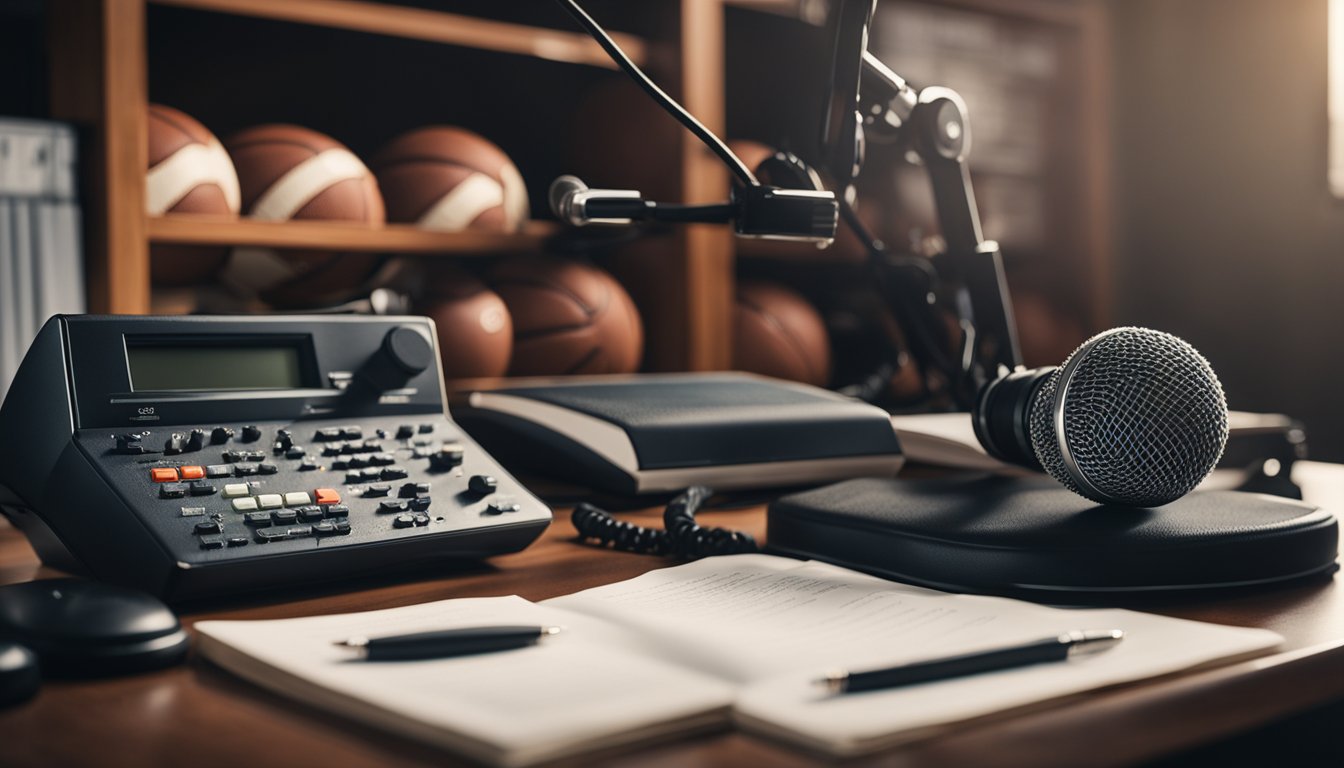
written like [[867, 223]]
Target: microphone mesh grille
[[1144, 418]]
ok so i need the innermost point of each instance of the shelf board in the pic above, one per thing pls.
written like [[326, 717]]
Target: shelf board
[[183, 229], [432, 26]]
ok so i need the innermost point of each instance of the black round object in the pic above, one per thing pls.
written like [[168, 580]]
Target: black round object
[[19, 676], [87, 628], [409, 350], [1135, 416]]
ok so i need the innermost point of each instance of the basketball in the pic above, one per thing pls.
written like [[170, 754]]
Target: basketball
[[286, 172], [189, 172], [451, 179], [474, 326], [568, 318], [776, 332]]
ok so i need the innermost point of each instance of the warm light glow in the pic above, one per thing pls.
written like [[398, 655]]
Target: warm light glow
[[1336, 26]]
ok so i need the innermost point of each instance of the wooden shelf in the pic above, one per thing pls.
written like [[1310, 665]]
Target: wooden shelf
[[184, 229], [432, 26]]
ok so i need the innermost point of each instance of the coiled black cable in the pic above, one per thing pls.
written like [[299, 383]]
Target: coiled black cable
[[681, 535]]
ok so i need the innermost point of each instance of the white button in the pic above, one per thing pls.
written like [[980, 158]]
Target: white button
[[234, 490], [270, 501], [297, 499], [245, 504]]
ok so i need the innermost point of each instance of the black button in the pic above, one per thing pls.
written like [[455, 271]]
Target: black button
[[232, 456], [296, 452], [324, 529], [482, 485], [371, 446], [209, 526], [352, 433], [196, 441], [331, 449], [336, 510], [342, 526], [284, 516], [258, 519], [253, 455], [284, 440], [382, 459], [426, 428], [267, 469], [299, 532], [357, 462], [404, 431], [391, 506], [420, 504], [172, 491], [422, 520], [352, 478], [220, 435], [218, 470], [271, 534], [448, 456], [377, 490], [370, 474], [238, 541], [212, 542], [203, 489], [403, 521], [129, 445], [410, 490], [251, 433], [500, 506], [327, 434], [243, 470], [310, 514], [393, 473], [308, 465], [349, 448]]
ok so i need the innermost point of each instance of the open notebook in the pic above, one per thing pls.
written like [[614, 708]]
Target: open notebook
[[728, 640]]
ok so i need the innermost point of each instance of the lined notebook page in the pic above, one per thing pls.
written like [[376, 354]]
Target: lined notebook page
[[775, 625], [583, 689]]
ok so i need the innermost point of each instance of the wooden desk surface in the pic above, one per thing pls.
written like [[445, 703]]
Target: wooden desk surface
[[199, 715]]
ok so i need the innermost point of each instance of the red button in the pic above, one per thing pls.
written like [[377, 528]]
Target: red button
[[326, 496], [191, 473], [163, 475]]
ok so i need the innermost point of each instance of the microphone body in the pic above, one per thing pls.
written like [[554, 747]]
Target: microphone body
[[1134, 417]]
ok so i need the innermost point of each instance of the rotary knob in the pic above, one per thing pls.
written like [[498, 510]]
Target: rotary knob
[[404, 354]]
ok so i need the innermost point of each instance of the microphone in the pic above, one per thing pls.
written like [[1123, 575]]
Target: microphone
[[1134, 416]]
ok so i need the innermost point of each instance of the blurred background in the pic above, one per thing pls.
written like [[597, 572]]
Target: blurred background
[[1165, 163]]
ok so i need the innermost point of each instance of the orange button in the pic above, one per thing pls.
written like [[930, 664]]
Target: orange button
[[326, 496], [163, 475], [191, 473]]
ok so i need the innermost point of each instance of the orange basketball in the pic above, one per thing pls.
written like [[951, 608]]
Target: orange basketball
[[291, 173], [776, 332], [189, 172], [474, 326], [451, 179], [568, 318]]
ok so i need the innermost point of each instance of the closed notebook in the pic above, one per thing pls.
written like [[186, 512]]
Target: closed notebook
[[720, 642]]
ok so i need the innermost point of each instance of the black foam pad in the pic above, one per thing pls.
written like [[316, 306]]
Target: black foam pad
[[1012, 535]]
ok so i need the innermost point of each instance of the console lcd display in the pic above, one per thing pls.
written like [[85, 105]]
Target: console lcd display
[[177, 368]]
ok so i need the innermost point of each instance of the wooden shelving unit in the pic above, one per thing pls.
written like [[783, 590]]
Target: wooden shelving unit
[[100, 80], [181, 229]]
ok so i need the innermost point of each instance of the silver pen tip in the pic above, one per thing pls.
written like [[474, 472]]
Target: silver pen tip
[[353, 642], [551, 630], [833, 681], [1088, 642]]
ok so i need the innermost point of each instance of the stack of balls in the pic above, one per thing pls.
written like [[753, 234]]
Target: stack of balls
[[536, 317]]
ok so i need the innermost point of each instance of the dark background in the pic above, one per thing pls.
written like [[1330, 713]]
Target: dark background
[[1223, 228]]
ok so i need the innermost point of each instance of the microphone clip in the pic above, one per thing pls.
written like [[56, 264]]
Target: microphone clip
[[756, 211]]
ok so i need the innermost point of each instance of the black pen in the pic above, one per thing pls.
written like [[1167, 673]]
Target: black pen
[[1065, 646], [444, 643]]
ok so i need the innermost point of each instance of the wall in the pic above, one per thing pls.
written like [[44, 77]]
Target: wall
[[1226, 232]]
